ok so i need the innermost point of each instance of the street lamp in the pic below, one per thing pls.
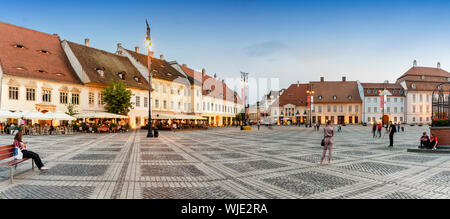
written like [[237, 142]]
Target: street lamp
[[310, 93], [148, 44], [244, 82]]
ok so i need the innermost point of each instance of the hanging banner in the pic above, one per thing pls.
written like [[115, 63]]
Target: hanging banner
[[312, 103]]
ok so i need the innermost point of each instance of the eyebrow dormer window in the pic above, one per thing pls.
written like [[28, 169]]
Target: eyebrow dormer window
[[19, 46], [100, 71], [137, 79], [59, 74], [44, 51], [334, 97], [121, 75], [20, 68], [41, 71], [350, 97]]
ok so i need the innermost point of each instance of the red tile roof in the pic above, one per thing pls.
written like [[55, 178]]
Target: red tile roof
[[295, 95], [211, 86], [393, 88], [29, 60], [92, 58], [345, 92], [417, 72]]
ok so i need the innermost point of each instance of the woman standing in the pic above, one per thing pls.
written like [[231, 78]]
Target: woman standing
[[329, 141], [18, 143]]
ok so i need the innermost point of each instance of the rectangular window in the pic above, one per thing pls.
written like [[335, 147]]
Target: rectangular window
[[350, 108], [146, 102], [335, 109], [320, 109], [368, 109], [156, 103], [165, 104], [76, 99], [91, 98], [375, 109], [13, 93], [138, 101], [356, 108], [389, 109], [421, 98], [329, 109], [414, 98], [63, 97], [401, 109], [31, 94], [341, 108], [100, 99], [171, 105], [47, 96], [395, 109]]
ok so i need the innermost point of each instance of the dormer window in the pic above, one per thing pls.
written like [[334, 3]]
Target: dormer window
[[44, 51], [334, 97], [350, 97], [137, 79], [59, 74], [100, 71], [121, 75], [413, 85], [369, 91], [41, 71], [423, 77], [320, 97], [20, 68], [19, 46]]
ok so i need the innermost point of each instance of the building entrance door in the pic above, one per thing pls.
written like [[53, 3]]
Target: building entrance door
[[341, 120]]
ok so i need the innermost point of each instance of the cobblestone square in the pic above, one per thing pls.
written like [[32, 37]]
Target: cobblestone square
[[222, 163]]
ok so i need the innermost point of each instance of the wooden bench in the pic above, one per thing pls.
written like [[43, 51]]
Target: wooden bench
[[6, 152]]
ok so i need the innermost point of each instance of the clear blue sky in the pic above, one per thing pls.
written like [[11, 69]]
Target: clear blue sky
[[370, 41]]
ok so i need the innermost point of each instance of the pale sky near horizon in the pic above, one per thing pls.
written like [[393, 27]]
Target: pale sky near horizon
[[369, 41]]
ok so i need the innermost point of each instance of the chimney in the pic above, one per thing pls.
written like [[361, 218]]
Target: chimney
[[415, 63], [344, 79], [215, 75], [161, 57], [438, 65], [136, 49], [119, 46], [203, 72], [298, 83], [184, 65], [86, 42], [322, 79]]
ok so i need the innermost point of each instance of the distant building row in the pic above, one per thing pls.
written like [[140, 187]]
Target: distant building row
[[40, 72], [409, 100]]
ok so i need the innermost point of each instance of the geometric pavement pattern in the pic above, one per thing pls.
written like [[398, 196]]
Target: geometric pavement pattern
[[224, 163]]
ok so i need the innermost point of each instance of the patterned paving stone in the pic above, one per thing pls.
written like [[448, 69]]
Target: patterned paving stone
[[157, 150], [107, 149], [175, 170], [401, 195], [77, 170], [314, 158], [225, 156], [309, 183], [162, 157], [442, 178], [414, 158], [250, 166], [204, 149], [47, 192], [357, 153], [187, 193], [375, 168], [94, 157]]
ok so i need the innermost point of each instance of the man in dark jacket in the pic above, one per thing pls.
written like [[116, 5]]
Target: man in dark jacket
[[392, 130]]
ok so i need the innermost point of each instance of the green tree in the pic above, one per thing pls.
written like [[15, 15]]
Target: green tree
[[71, 110], [117, 98], [238, 117]]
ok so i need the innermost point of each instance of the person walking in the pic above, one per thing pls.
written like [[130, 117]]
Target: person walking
[[329, 141], [392, 130], [374, 129], [21, 147], [379, 128], [259, 125]]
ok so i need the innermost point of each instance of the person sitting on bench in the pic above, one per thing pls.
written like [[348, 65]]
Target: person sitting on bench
[[433, 142], [424, 141], [18, 143]]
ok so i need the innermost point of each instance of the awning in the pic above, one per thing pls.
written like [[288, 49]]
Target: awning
[[99, 115], [8, 114], [59, 116], [176, 116]]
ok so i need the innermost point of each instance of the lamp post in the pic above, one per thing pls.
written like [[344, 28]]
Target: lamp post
[[244, 81], [148, 44], [310, 93]]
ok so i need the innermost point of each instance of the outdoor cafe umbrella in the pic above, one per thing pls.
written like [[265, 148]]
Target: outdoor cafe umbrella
[[7, 114], [59, 116], [33, 115]]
